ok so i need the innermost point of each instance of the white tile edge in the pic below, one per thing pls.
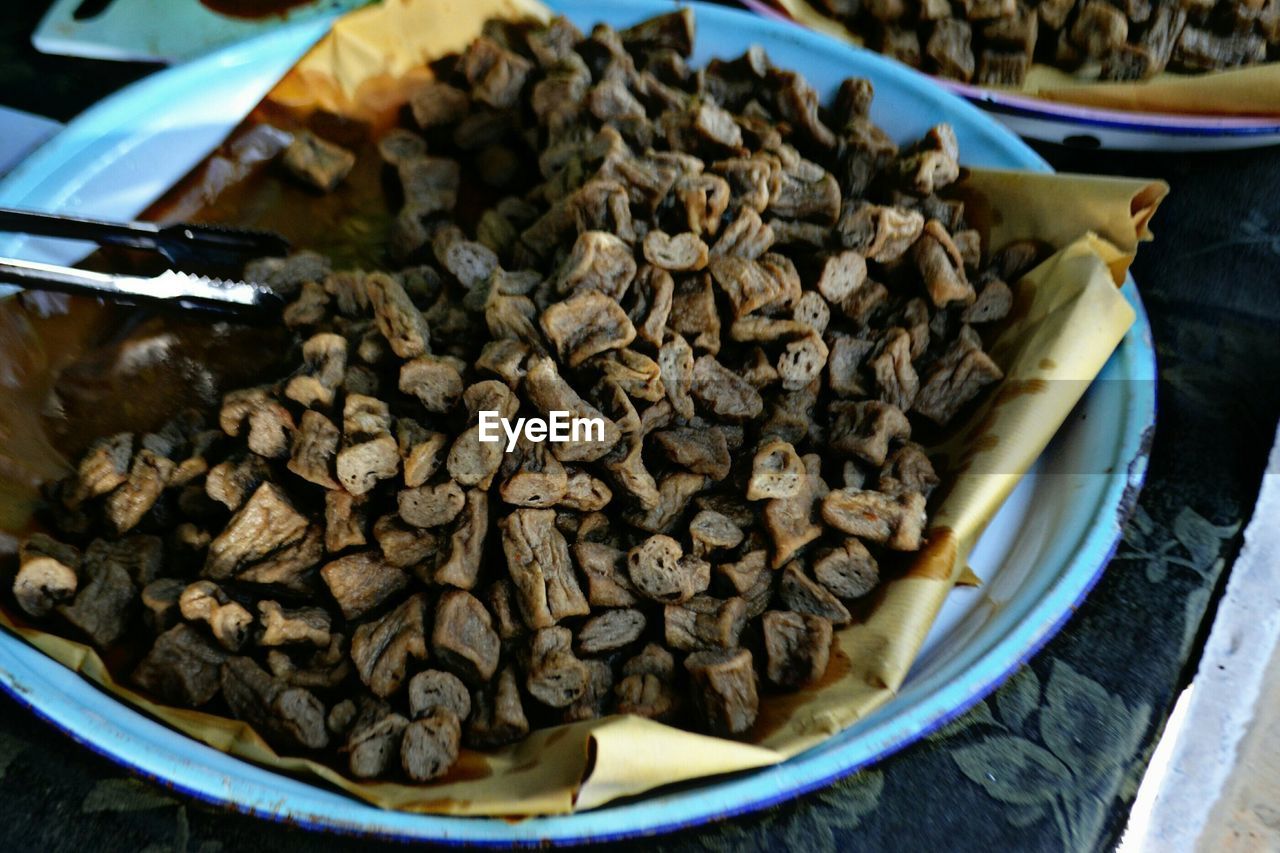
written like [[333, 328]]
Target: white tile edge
[[1227, 685]]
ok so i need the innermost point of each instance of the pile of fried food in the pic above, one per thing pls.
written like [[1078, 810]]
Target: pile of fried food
[[994, 42], [758, 297]]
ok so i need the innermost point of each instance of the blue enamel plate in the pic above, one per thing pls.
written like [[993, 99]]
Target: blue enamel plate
[[1043, 552]]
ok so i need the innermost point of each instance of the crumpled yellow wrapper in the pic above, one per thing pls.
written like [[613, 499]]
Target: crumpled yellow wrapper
[[1069, 317], [1252, 91]]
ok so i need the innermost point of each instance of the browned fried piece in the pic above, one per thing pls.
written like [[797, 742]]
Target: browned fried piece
[[646, 688], [751, 579], [435, 380], [103, 605], [908, 469], [231, 483], [500, 597], [586, 324], [382, 649], [959, 376], [287, 716], [361, 582], [894, 231], [160, 603], [723, 393], [797, 647], [791, 521], [496, 75], [434, 690], [933, 163], [436, 103], [675, 361], [325, 668], [659, 571], [895, 374], [704, 622], [549, 391], [229, 621], [848, 570], [541, 481], [1163, 31], [283, 626], [103, 467], [596, 700], [47, 574], [599, 261], [370, 453], [893, 520], [555, 676], [675, 253], [181, 667], [374, 740], [497, 716], [993, 303], [266, 523], [399, 320], [844, 364], [429, 745], [694, 314], [461, 564], [941, 266], [610, 631], [1053, 13], [315, 445], [538, 560], [604, 568], [324, 366], [724, 690], [1016, 31], [286, 275], [710, 530], [950, 49], [634, 373], [398, 144], [675, 491], [866, 429], [1099, 28], [406, 547], [1200, 50], [900, 43], [344, 520], [1127, 62], [132, 500], [431, 506], [801, 594], [776, 472], [462, 637], [317, 162]]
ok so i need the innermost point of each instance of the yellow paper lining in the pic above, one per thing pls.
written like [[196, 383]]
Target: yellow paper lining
[[1072, 318]]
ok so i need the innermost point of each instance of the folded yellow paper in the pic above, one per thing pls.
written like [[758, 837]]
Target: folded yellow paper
[[1070, 319]]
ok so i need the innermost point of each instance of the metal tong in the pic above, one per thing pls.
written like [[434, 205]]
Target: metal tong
[[208, 245]]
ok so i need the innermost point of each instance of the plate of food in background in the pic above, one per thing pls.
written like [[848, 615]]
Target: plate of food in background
[[1135, 75], [301, 597]]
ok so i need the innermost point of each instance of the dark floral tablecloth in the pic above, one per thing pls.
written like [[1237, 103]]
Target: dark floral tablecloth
[[1053, 759]]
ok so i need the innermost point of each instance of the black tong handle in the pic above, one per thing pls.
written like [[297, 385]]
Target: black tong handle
[[178, 243]]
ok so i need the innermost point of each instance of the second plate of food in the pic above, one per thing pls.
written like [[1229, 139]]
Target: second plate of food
[[1042, 552], [1081, 125]]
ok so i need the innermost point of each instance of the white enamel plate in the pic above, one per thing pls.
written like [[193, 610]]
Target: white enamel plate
[[1043, 552]]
